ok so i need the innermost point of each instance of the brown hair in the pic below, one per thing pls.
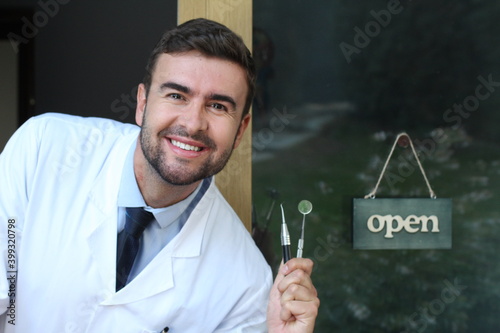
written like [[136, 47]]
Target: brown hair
[[210, 38]]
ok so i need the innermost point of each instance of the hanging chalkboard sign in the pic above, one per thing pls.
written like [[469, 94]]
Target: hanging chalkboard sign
[[402, 223]]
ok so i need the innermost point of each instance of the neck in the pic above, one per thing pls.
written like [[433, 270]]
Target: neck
[[156, 192]]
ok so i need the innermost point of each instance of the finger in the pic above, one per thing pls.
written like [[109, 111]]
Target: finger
[[304, 264], [297, 277], [300, 311], [298, 293]]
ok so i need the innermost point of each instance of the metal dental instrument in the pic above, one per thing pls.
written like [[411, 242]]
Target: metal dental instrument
[[285, 238], [305, 207]]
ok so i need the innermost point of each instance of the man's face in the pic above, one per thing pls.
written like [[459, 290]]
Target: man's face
[[191, 118]]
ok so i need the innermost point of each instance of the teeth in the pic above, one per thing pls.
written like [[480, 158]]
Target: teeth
[[185, 146]]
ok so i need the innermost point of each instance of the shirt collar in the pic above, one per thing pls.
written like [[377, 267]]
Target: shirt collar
[[129, 194]]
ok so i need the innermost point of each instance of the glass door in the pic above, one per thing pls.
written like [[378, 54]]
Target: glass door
[[338, 80]]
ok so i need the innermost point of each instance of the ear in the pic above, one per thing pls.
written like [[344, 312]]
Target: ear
[[241, 130], [141, 104]]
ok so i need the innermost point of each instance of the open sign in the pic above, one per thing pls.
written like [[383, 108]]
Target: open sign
[[407, 223], [396, 223]]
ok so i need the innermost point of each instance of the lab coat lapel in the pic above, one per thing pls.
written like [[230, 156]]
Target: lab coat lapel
[[102, 244], [157, 276], [189, 241], [102, 214]]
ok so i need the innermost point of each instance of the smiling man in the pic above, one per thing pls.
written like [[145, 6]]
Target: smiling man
[[120, 228], [192, 118]]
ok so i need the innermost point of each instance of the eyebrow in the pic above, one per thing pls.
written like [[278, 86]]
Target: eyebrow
[[223, 98], [175, 86], [187, 90]]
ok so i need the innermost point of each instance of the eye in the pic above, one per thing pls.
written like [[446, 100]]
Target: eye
[[218, 107], [175, 96]]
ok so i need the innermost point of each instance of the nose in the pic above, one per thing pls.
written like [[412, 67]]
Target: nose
[[194, 118]]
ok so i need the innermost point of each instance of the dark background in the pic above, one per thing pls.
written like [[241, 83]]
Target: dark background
[[89, 56], [426, 59]]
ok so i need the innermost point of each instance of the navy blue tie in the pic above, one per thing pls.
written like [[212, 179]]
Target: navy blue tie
[[137, 220]]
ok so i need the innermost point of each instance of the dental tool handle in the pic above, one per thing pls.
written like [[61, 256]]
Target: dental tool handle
[[286, 253], [285, 238], [285, 243], [299, 248]]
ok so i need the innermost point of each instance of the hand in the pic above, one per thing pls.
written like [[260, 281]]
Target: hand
[[293, 301]]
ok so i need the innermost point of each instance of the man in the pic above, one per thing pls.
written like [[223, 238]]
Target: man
[[70, 185]]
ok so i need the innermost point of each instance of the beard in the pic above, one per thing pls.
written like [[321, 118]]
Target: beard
[[177, 172]]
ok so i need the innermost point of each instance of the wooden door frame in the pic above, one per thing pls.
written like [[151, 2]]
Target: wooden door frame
[[235, 181]]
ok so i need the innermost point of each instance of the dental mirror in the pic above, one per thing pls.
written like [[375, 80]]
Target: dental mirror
[[305, 207]]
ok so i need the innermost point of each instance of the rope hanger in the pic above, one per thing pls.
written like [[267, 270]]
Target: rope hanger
[[371, 195]]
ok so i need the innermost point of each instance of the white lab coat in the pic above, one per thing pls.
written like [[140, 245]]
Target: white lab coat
[[59, 179]]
